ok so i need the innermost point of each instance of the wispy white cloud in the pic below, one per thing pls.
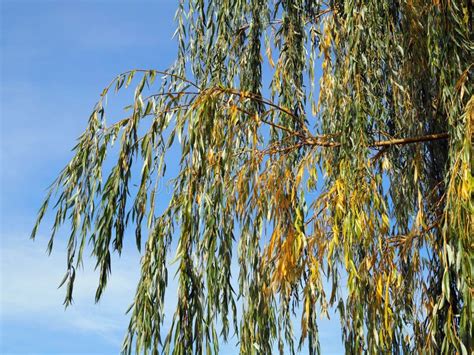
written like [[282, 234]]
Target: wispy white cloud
[[29, 292]]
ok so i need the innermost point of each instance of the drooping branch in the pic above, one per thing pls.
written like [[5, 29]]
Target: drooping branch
[[306, 140], [385, 67]]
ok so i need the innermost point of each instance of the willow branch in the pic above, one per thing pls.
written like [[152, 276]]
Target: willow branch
[[316, 17], [399, 239], [384, 143], [403, 141], [273, 124]]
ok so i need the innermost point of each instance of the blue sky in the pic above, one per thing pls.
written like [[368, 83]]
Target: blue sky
[[56, 56]]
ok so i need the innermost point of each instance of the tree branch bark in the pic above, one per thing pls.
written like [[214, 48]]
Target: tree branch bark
[[385, 143]]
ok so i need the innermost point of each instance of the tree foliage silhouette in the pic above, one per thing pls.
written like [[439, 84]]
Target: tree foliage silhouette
[[352, 192]]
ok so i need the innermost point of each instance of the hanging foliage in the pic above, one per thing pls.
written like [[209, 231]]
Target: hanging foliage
[[326, 150]]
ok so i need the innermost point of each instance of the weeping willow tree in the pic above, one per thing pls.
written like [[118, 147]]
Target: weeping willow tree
[[325, 164]]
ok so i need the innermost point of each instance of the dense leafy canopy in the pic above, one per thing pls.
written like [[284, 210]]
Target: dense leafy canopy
[[292, 197]]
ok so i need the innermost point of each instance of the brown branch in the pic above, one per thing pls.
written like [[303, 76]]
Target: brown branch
[[320, 142], [270, 123], [322, 13], [260, 99], [306, 138], [397, 240], [275, 125], [385, 143], [146, 71], [403, 141], [282, 149], [125, 120], [316, 17], [380, 153]]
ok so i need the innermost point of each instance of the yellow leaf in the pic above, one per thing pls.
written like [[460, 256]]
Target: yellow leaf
[[269, 56], [379, 289]]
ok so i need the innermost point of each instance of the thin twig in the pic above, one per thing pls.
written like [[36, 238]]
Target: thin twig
[[280, 21]]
